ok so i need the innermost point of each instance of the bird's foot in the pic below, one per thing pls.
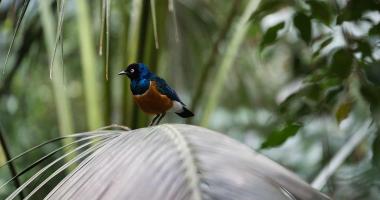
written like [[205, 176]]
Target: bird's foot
[[156, 120]]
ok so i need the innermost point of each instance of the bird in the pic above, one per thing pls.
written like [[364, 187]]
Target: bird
[[152, 94]]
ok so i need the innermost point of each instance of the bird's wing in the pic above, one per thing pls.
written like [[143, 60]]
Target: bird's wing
[[165, 89]]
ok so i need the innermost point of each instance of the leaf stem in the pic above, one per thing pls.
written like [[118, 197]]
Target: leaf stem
[[338, 159]]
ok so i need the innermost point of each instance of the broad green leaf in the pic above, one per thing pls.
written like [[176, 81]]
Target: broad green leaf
[[343, 110], [278, 137], [303, 24], [341, 63], [321, 11], [270, 36]]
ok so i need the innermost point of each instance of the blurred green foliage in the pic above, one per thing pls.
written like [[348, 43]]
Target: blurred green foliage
[[278, 137], [313, 62]]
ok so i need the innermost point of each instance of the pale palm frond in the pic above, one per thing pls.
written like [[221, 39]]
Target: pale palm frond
[[173, 162], [89, 138]]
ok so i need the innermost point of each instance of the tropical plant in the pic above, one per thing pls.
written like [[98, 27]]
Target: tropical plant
[[281, 76]]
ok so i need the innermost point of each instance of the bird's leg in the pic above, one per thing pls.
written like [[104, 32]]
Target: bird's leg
[[159, 119], [154, 120]]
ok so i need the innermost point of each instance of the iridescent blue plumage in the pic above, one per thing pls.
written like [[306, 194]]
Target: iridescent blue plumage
[[165, 89], [142, 81], [140, 86]]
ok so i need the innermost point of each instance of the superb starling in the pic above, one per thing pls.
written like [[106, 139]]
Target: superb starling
[[152, 94]]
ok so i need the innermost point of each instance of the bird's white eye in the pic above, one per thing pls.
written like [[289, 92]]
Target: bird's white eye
[[132, 70]]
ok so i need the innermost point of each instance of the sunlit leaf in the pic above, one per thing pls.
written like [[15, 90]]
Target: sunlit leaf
[[321, 11], [341, 63], [278, 137], [303, 24], [270, 36], [343, 110]]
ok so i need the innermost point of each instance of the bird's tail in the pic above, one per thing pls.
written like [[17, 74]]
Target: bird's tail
[[185, 113]]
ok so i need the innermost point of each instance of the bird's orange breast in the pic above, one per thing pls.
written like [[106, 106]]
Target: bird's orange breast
[[152, 101]]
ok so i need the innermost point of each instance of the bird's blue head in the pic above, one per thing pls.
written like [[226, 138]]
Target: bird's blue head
[[136, 71]]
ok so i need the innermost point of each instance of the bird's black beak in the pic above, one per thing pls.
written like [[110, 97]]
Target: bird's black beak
[[123, 73]]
